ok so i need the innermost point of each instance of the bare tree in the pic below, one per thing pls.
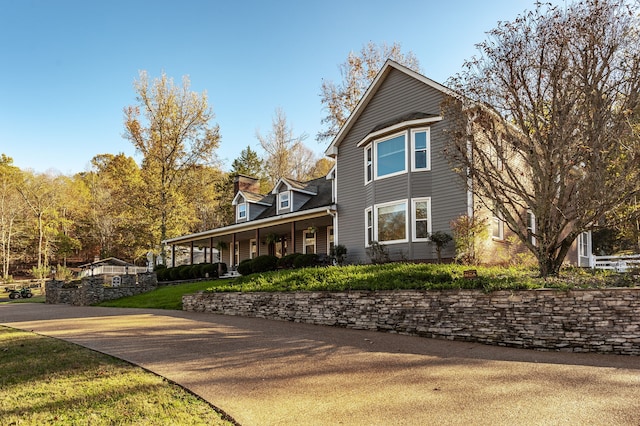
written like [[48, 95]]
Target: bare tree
[[357, 73], [286, 154], [544, 135]]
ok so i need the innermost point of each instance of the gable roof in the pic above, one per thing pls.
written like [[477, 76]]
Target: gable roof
[[322, 195], [387, 68], [252, 197], [294, 185]]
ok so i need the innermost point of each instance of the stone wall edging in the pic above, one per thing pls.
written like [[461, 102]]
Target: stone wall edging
[[603, 321], [92, 289]]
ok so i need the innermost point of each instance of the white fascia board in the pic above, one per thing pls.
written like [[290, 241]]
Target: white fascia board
[[253, 224], [397, 127]]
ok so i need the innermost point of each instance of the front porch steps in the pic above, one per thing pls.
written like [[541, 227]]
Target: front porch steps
[[231, 274]]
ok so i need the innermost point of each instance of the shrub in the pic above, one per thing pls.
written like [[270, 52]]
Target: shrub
[[211, 269], [222, 266], [339, 253], [378, 253], [245, 267], [184, 272], [264, 263], [287, 261], [305, 260], [163, 273]]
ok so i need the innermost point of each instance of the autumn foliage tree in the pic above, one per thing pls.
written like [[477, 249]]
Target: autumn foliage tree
[[544, 126], [357, 73], [171, 127]]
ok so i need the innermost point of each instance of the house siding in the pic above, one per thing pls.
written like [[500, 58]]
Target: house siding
[[398, 94]]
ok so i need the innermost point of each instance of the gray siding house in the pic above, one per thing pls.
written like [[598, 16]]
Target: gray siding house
[[391, 184], [394, 185]]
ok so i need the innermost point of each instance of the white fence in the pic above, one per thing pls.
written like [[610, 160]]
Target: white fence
[[112, 270], [616, 263]]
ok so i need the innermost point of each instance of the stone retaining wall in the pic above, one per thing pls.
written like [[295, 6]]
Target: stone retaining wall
[[605, 321], [92, 290]]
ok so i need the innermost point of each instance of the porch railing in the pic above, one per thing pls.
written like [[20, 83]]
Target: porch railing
[[616, 263], [113, 270]]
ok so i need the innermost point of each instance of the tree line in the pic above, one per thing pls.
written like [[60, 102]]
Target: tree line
[[545, 125]]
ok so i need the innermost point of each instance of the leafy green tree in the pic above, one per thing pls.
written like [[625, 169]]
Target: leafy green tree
[[248, 163], [171, 127], [545, 130]]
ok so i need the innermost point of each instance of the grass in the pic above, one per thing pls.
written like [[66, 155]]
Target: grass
[[38, 297], [50, 381], [393, 276], [164, 297]]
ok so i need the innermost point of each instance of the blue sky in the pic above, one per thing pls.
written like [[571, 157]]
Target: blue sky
[[68, 66]]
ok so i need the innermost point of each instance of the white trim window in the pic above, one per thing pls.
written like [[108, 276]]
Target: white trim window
[[236, 253], [284, 200], [497, 224], [242, 211], [531, 227], [584, 249], [253, 248], [368, 164], [420, 149], [391, 224], [390, 156], [421, 208], [309, 241], [368, 224]]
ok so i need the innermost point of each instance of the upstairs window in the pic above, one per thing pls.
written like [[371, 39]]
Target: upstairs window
[[390, 155], [368, 164], [283, 200], [420, 146], [242, 211]]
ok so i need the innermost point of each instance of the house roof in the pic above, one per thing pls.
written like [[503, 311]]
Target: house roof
[[114, 261], [412, 116], [296, 185], [388, 67], [320, 203], [252, 197], [320, 189]]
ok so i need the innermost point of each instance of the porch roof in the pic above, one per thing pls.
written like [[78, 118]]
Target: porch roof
[[328, 210]]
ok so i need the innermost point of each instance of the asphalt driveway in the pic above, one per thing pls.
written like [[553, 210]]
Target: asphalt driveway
[[264, 372]]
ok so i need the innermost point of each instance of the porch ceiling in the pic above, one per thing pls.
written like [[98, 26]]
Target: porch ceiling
[[279, 225]]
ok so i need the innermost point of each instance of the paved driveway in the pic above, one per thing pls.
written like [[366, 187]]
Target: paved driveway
[[265, 372]]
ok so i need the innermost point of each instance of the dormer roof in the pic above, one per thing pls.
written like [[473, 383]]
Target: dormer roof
[[294, 185], [252, 197]]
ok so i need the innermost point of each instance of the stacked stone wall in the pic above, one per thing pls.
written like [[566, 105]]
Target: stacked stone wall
[[604, 321], [92, 290]]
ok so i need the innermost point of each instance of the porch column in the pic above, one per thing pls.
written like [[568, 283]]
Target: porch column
[[173, 255], [257, 242], [210, 250], [293, 237], [233, 250], [191, 254]]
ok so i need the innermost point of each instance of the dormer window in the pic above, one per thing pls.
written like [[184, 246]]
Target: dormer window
[[242, 211], [283, 200]]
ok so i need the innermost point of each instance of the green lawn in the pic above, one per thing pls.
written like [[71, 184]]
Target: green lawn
[[164, 297], [50, 381]]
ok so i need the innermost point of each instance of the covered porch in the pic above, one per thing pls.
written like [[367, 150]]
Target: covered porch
[[309, 231]]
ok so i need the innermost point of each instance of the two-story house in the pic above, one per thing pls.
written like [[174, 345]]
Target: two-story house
[[391, 183]]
